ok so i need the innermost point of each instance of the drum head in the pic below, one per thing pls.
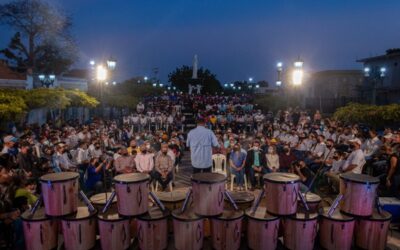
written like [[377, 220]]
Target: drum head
[[311, 198], [154, 213], [260, 214], [230, 215], [383, 216], [188, 215], [208, 178], [82, 213], [304, 216], [131, 178], [359, 178], [174, 196], [100, 199], [241, 197], [281, 178], [111, 215], [336, 215], [39, 215], [59, 177]]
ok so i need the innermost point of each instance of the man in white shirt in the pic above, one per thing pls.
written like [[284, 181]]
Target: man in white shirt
[[144, 160], [372, 145], [356, 160]]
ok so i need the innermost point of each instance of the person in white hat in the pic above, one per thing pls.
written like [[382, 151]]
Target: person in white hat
[[9, 143], [356, 160]]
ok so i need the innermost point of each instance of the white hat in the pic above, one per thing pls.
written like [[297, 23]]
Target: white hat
[[356, 140], [9, 138], [388, 136]]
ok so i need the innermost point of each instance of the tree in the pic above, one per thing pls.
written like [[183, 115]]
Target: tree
[[182, 77], [42, 41]]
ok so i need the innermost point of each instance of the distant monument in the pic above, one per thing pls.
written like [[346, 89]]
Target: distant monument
[[195, 67], [194, 86]]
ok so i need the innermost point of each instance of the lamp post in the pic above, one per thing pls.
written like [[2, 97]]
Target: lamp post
[[375, 75], [279, 69], [47, 80]]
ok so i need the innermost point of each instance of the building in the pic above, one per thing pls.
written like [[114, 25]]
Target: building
[[381, 84], [12, 79]]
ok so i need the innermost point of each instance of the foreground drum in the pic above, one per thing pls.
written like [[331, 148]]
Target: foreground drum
[[299, 231], [188, 228], [99, 200], [132, 193], [262, 229], [208, 193], [336, 231], [40, 231], [114, 230], [281, 193], [60, 193], [243, 200], [312, 200], [152, 229], [226, 230], [371, 233], [359, 192], [172, 200], [79, 230]]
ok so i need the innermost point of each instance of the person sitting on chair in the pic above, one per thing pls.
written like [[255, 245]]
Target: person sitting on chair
[[237, 160], [163, 167], [256, 163]]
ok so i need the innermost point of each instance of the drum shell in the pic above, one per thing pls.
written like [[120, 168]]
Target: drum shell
[[132, 198], [115, 234], [336, 234], [208, 198], [281, 198], [60, 198], [371, 234], [42, 234], [226, 234], [152, 234], [299, 234], [262, 234], [79, 234], [188, 233]]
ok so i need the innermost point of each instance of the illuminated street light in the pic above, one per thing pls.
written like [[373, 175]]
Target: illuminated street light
[[232, 84], [297, 76], [146, 78], [225, 85], [114, 82], [251, 79], [257, 86], [161, 84], [154, 84], [279, 65], [111, 64], [298, 64], [101, 73], [383, 71], [106, 83], [278, 83], [239, 88], [366, 71], [92, 62]]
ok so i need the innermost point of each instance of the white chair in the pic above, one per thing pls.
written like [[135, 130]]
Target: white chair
[[233, 177], [170, 186], [219, 161]]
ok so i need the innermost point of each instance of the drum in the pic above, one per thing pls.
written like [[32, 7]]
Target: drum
[[172, 200], [152, 229], [79, 230], [243, 200], [114, 230], [208, 193], [99, 200], [299, 231], [359, 192], [312, 200], [262, 229], [60, 193], [226, 230], [188, 228], [132, 192], [40, 231], [336, 231], [371, 233], [281, 193]]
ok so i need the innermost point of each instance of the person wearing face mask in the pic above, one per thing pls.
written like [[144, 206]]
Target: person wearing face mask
[[95, 150], [144, 160], [272, 159], [356, 160], [237, 162], [163, 167], [256, 163], [285, 159], [125, 163]]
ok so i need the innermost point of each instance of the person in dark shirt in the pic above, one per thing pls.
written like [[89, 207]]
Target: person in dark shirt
[[306, 175], [94, 181], [286, 158]]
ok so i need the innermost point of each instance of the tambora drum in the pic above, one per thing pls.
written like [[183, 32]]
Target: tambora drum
[[188, 228], [226, 230], [336, 231], [79, 229], [299, 231], [371, 233], [243, 200], [60, 193], [281, 193], [153, 230], [40, 231], [172, 200], [99, 200], [208, 193], [262, 229], [312, 200], [132, 193], [114, 230], [359, 193]]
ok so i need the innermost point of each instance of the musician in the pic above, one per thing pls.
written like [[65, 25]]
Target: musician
[[163, 167], [300, 168], [94, 182]]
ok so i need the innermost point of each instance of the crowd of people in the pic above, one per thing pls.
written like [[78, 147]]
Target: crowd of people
[[153, 140]]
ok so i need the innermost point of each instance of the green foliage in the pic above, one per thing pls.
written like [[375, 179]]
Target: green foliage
[[11, 106], [275, 102]]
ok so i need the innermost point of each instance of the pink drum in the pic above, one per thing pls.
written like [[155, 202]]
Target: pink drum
[[226, 230], [299, 231], [40, 231], [371, 233], [114, 230], [281, 193], [336, 231], [153, 229], [188, 228], [208, 193], [79, 230], [359, 193], [172, 200], [60, 193], [262, 229], [99, 200], [132, 192], [312, 200]]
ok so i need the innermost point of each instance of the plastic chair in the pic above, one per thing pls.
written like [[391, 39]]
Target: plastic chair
[[233, 177], [219, 161]]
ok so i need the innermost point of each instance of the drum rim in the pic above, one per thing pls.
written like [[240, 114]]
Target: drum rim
[[371, 218], [174, 216], [229, 219], [281, 182], [121, 218], [208, 181], [146, 176], [64, 180], [92, 214], [45, 218], [349, 218], [249, 216], [357, 181], [166, 214], [294, 217], [240, 201]]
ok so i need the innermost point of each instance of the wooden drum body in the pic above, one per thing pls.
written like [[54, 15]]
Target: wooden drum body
[[114, 230], [172, 200], [153, 229], [371, 233], [300, 231], [188, 228], [359, 193], [40, 231], [208, 193], [79, 230], [60, 193], [336, 231], [243, 200], [132, 193], [262, 229], [226, 230], [281, 193], [312, 200]]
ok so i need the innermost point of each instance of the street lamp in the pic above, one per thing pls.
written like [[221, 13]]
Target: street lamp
[[111, 64], [251, 79], [145, 78], [375, 76], [47, 80], [278, 83], [298, 73], [101, 73]]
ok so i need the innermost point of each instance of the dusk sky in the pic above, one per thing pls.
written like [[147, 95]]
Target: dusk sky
[[236, 39]]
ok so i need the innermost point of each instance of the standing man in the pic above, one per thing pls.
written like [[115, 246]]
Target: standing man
[[200, 141]]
